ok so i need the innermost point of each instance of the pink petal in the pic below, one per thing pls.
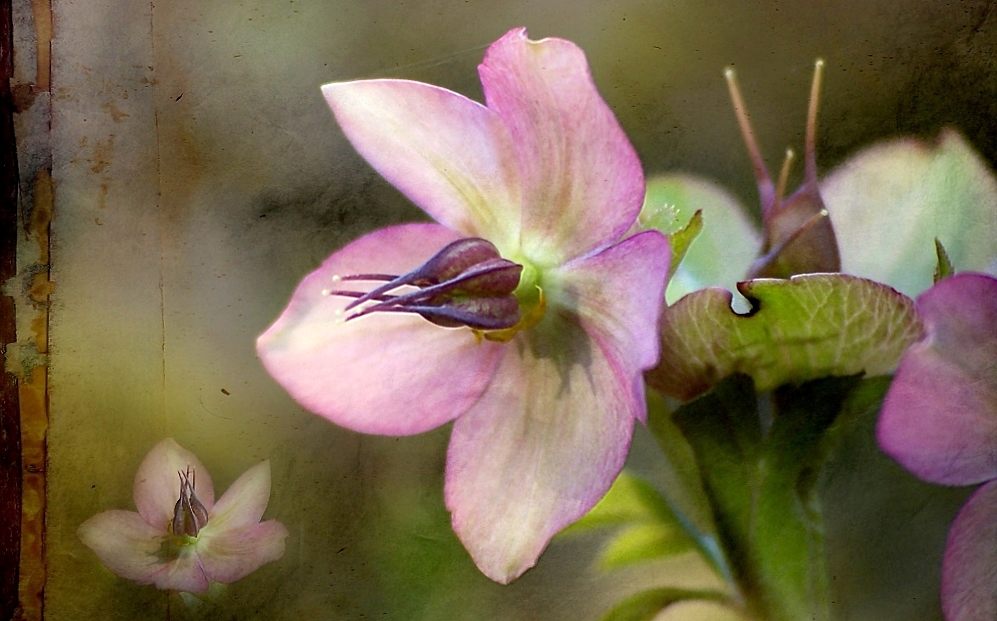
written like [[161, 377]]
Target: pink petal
[[244, 502], [183, 573], [969, 570], [450, 155], [384, 373], [939, 419], [582, 181], [126, 544], [157, 484], [618, 296], [229, 555], [539, 449]]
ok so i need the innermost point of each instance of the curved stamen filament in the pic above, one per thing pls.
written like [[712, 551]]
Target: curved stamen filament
[[393, 282]]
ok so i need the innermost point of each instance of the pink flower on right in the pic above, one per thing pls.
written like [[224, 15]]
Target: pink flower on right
[[939, 421]]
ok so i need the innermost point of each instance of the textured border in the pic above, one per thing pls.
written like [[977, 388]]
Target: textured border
[[10, 413]]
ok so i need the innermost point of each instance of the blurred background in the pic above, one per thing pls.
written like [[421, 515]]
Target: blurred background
[[198, 176]]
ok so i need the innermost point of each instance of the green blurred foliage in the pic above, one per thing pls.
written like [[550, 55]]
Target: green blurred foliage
[[890, 202]]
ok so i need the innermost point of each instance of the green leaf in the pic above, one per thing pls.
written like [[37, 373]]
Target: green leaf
[[684, 491], [681, 240], [800, 329], [684, 488], [762, 481], [644, 542], [890, 201], [630, 500], [651, 530], [722, 253], [943, 269], [646, 605]]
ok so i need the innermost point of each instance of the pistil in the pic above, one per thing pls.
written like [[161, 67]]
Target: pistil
[[466, 284], [189, 515]]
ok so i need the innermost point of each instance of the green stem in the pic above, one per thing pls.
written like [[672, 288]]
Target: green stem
[[760, 476]]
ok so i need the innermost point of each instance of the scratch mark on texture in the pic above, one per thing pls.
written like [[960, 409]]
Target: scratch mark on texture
[[159, 207]]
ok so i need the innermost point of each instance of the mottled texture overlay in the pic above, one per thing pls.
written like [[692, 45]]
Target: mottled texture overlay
[[197, 176]]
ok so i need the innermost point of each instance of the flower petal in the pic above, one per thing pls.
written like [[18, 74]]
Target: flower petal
[[539, 449], [583, 185], [618, 295], [184, 573], [229, 555], [157, 484], [244, 502], [939, 419], [969, 570], [383, 373], [891, 201], [126, 544], [450, 155]]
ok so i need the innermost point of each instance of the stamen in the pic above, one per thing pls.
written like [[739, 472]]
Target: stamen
[[810, 155], [765, 189], [373, 277], [780, 189], [358, 294]]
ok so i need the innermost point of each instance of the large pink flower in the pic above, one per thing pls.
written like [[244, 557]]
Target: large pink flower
[[545, 410], [939, 420], [181, 538]]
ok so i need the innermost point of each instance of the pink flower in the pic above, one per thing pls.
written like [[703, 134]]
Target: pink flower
[[544, 395], [939, 420], [181, 538]]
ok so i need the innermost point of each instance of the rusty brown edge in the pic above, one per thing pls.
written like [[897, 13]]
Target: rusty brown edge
[[24, 236], [10, 413]]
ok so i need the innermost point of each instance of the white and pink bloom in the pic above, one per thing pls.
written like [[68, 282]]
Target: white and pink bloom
[[181, 538], [939, 420], [533, 342]]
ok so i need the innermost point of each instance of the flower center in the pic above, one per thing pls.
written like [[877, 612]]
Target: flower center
[[189, 515], [532, 306], [466, 284]]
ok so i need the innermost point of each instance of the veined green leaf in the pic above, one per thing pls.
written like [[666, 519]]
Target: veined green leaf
[[810, 326]]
